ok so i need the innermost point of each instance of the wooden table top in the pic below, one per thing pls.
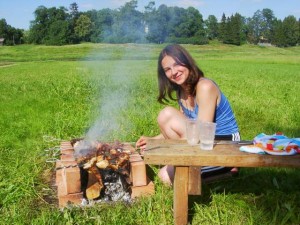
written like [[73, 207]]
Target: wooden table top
[[179, 153]]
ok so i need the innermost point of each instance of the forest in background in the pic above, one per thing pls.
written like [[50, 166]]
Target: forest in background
[[162, 24]]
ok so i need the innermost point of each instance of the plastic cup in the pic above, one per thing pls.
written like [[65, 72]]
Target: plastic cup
[[207, 135], [192, 131]]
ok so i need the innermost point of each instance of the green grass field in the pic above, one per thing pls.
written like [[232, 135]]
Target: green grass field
[[49, 94]]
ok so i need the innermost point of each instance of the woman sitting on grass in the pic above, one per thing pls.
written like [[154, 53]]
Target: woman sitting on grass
[[198, 98]]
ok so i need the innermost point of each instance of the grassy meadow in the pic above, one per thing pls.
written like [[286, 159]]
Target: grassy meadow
[[49, 94]]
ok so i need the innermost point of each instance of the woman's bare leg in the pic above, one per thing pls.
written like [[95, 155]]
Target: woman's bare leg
[[166, 174], [172, 125]]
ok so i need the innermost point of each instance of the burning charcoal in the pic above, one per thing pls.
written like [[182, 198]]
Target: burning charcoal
[[113, 151], [122, 159], [90, 163], [124, 172], [102, 164], [109, 175], [93, 191], [109, 164], [113, 167], [95, 171]]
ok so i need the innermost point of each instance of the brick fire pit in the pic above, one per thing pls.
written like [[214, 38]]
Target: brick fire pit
[[68, 178]]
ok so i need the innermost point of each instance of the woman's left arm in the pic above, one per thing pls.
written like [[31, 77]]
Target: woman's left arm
[[207, 96]]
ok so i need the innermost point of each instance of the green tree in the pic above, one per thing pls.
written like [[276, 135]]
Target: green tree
[[83, 27], [261, 26], [39, 26], [279, 36], [291, 30], [74, 13], [267, 29], [11, 35], [51, 26], [222, 28], [72, 17], [234, 30], [191, 23], [157, 23], [128, 25], [58, 33], [101, 24], [237, 32], [299, 31], [212, 27], [286, 32], [227, 36], [3, 28], [174, 24], [149, 18], [190, 27], [255, 27]]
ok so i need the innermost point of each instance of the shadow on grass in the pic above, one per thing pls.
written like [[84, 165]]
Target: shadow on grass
[[269, 188]]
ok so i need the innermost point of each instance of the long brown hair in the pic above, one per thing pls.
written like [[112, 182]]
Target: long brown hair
[[183, 58]]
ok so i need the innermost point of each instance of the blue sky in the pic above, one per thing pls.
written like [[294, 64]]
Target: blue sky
[[19, 13]]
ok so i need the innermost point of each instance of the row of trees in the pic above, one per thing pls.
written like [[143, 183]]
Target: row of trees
[[11, 35], [59, 26]]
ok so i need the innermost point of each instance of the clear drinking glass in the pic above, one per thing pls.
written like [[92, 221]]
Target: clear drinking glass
[[207, 135], [192, 131]]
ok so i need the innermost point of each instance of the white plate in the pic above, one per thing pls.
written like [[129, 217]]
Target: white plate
[[292, 152]]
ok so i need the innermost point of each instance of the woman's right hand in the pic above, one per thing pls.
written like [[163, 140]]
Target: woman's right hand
[[141, 143]]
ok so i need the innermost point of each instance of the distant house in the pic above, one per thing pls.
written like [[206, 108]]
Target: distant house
[[1, 41], [263, 41]]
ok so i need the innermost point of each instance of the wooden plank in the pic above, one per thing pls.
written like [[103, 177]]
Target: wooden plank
[[180, 197], [194, 187], [180, 154]]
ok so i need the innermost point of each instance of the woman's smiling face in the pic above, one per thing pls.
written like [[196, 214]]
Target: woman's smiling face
[[175, 72]]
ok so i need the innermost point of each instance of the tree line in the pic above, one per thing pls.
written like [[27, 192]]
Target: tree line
[[61, 26]]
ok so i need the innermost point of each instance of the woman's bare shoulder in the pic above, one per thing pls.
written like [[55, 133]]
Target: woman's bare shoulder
[[206, 85]]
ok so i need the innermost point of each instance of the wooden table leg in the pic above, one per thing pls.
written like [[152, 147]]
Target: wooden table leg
[[194, 187], [180, 198]]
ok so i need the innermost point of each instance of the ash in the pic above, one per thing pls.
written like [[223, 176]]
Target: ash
[[116, 189]]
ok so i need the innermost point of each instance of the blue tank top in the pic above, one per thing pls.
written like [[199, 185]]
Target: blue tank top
[[224, 117]]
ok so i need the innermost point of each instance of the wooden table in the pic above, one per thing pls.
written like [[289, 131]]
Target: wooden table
[[187, 160]]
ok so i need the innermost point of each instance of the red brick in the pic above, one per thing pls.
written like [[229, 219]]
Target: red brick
[[66, 147], [67, 151], [65, 143], [61, 187], [75, 199], [143, 190], [135, 157], [58, 177], [59, 168], [138, 173], [67, 157], [60, 164], [71, 180]]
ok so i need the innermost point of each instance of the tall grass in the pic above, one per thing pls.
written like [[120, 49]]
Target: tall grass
[[48, 94]]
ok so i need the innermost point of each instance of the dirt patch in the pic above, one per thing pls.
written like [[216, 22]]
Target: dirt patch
[[3, 64]]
